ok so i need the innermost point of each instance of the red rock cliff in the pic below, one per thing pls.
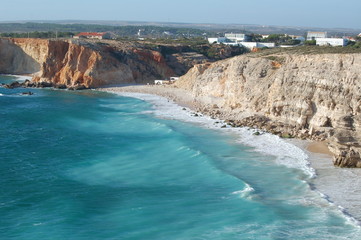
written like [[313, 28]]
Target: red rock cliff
[[80, 63]]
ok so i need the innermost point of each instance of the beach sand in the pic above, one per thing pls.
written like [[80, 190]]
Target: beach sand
[[319, 147], [339, 185]]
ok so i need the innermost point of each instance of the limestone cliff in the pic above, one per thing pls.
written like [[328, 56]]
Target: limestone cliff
[[86, 63], [314, 94]]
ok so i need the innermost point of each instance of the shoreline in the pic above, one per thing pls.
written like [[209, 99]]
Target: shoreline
[[19, 77], [319, 158]]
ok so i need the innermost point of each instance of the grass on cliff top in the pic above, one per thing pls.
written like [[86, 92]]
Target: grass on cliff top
[[307, 50]]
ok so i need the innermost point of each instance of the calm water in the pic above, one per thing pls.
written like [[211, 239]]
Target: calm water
[[90, 165]]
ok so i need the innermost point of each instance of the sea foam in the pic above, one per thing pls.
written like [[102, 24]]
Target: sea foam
[[286, 153]]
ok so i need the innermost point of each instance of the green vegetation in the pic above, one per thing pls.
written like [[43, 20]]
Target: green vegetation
[[44, 29], [356, 45], [271, 53], [310, 42], [38, 35], [198, 45], [280, 39]]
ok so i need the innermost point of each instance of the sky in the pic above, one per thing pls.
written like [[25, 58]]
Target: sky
[[303, 13]]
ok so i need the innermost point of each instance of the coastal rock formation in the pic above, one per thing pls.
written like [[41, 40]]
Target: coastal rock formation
[[93, 63], [81, 63], [316, 95]]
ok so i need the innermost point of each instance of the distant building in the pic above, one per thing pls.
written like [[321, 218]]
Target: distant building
[[315, 35], [237, 37], [230, 39], [251, 45], [94, 35], [217, 40], [359, 35], [331, 41], [350, 38]]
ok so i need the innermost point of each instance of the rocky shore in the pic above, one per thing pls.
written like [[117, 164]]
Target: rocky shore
[[303, 95], [344, 156], [199, 106]]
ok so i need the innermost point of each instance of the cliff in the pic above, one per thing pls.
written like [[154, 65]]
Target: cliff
[[94, 63], [82, 63], [315, 96]]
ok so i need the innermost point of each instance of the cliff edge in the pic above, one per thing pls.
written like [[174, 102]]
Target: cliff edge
[[82, 62], [313, 96]]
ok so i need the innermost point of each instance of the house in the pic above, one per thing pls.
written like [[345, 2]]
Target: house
[[331, 41], [230, 39], [237, 37], [94, 35], [315, 35]]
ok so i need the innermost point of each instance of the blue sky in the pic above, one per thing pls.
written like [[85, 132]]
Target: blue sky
[[307, 13]]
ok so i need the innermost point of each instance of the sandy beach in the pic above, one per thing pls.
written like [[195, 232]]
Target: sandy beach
[[319, 147], [338, 185]]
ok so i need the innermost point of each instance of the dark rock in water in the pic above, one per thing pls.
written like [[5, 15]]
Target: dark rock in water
[[44, 84], [28, 83], [184, 109], [286, 135], [13, 85], [80, 87], [77, 87], [60, 86], [27, 93], [257, 133]]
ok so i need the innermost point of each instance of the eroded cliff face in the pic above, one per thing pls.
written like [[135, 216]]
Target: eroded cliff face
[[74, 63], [314, 94], [14, 60]]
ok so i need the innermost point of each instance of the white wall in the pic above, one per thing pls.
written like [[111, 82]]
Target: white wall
[[251, 45], [331, 41], [217, 40]]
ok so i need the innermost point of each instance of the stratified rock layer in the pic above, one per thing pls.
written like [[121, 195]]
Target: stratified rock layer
[[74, 63], [314, 94]]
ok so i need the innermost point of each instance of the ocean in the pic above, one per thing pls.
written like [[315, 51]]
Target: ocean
[[96, 165]]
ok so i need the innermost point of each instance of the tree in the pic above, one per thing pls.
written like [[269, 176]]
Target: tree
[[310, 42]]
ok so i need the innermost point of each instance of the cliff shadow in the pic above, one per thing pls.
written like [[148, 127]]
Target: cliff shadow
[[13, 60]]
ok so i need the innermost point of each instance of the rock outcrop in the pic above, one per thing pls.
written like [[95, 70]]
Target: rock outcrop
[[81, 63], [317, 96]]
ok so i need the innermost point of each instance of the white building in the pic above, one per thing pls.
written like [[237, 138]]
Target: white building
[[162, 82], [315, 35], [331, 41], [252, 45], [217, 40], [230, 39], [237, 37]]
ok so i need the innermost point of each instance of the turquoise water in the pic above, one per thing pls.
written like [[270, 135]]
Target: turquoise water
[[91, 165]]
